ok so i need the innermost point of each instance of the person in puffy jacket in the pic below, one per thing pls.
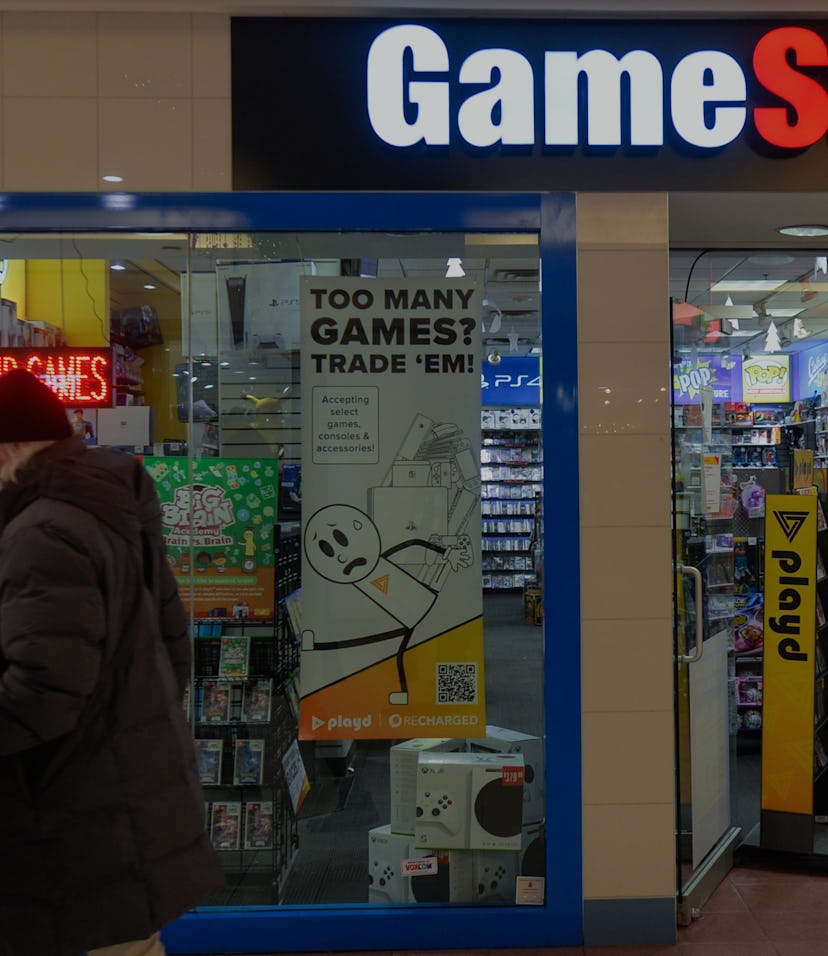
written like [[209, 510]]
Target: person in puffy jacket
[[102, 822]]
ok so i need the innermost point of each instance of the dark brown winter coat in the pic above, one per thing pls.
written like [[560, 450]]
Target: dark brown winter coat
[[102, 836]]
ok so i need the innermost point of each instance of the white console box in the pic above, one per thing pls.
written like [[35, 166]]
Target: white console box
[[453, 881], [469, 801], [403, 771], [493, 875], [127, 426], [386, 853], [502, 740]]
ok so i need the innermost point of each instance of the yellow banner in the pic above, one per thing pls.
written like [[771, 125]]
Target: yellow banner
[[790, 637], [353, 708]]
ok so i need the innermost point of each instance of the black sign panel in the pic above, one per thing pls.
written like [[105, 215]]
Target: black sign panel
[[526, 105]]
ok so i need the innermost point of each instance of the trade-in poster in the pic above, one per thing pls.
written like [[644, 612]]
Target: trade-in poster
[[392, 633], [218, 526]]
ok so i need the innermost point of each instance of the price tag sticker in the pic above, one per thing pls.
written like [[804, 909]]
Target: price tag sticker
[[513, 776]]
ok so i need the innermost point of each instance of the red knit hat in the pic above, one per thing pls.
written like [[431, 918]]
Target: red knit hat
[[29, 409]]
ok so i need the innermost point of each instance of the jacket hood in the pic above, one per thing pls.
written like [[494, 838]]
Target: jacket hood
[[102, 482]]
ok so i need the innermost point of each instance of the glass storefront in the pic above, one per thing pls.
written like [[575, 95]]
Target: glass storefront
[[395, 377]]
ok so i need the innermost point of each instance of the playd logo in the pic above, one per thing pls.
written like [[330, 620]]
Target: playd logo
[[340, 721], [702, 99], [792, 585]]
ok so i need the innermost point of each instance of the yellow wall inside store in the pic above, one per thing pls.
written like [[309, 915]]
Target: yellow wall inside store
[[14, 285], [72, 294]]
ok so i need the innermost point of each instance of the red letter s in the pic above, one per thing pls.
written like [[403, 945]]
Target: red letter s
[[806, 96]]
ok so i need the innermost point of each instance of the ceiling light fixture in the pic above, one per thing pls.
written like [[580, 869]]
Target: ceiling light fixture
[[112, 178], [804, 231], [118, 267], [747, 285]]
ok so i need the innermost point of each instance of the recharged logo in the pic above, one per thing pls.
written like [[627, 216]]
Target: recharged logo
[[412, 79]]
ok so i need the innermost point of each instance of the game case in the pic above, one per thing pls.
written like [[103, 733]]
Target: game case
[[292, 691], [215, 702], [293, 605], [186, 701], [249, 762], [258, 826], [256, 706], [225, 831], [296, 776], [234, 656], [208, 756]]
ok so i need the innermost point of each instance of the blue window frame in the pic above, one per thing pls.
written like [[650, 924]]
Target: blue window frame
[[552, 217]]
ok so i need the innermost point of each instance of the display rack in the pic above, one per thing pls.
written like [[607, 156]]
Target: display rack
[[511, 483], [727, 544], [244, 723]]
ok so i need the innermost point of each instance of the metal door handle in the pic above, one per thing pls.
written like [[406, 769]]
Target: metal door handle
[[695, 657]]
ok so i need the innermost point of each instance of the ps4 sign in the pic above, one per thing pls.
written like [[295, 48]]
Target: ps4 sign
[[529, 104], [512, 380]]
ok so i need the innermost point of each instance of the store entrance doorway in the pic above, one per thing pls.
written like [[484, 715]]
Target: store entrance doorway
[[750, 354], [706, 832]]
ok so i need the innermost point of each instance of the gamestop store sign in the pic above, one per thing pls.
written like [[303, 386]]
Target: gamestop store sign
[[499, 103]]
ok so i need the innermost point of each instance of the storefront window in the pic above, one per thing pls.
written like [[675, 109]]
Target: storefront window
[[344, 430]]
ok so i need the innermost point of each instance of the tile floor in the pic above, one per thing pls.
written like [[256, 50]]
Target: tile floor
[[754, 912]]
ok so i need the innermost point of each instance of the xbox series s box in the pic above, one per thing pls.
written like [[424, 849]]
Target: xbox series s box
[[403, 771], [503, 740], [400, 873], [387, 853], [494, 873], [471, 801]]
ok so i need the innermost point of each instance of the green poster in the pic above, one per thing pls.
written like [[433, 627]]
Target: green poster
[[218, 527]]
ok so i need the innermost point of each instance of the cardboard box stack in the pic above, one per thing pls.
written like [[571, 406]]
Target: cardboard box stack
[[466, 820]]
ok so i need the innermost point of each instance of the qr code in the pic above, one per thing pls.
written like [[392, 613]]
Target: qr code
[[457, 683]]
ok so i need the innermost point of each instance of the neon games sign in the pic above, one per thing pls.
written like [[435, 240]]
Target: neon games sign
[[80, 377], [628, 100]]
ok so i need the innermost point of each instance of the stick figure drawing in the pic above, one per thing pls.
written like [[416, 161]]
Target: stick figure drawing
[[401, 551]]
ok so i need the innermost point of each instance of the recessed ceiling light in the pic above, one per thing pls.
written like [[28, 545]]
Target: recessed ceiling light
[[747, 285], [805, 231], [118, 267], [770, 259], [112, 178], [149, 285]]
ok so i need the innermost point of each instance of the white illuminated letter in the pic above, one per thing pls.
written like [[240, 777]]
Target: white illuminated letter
[[603, 72], [387, 92], [708, 76], [514, 93]]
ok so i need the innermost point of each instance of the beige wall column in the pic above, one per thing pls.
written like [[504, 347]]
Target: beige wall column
[[626, 601], [145, 95]]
